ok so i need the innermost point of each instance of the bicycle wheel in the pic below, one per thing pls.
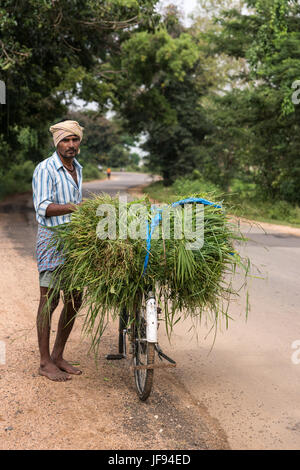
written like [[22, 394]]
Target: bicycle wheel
[[144, 353]]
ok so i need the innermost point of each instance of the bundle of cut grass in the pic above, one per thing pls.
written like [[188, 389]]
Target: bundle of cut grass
[[105, 246]]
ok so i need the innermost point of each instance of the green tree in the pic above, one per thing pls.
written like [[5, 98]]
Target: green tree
[[51, 51], [118, 157], [100, 135], [134, 159], [158, 94], [261, 122]]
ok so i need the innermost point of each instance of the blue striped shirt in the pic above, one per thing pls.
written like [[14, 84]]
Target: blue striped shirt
[[52, 183]]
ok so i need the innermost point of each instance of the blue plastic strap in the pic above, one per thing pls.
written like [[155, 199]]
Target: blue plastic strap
[[154, 222], [157, 218], [195, 199]]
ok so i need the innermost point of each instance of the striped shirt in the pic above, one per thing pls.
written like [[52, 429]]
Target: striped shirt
[[52, 183]]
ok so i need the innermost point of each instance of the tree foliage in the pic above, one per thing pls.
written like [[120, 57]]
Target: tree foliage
[[258, 123], [218, 96], [158, 94], [51, 51]]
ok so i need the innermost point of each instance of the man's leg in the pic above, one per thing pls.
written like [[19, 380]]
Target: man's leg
[[47, 366], [65, 326]]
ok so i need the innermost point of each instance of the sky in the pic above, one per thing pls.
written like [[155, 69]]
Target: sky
[[189, 5], [186, 5]]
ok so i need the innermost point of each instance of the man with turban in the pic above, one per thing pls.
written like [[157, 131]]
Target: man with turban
[[57, 190]]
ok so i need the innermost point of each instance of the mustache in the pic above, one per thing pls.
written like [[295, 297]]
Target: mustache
[[67, 156]]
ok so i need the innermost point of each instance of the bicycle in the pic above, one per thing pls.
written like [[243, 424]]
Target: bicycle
[[142, 326], [142, 331]]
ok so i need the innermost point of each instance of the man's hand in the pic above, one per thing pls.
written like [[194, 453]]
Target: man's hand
[[74, 207], [61, 209]]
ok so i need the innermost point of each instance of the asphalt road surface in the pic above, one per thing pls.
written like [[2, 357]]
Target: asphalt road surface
[[242, 393], [119, 183]]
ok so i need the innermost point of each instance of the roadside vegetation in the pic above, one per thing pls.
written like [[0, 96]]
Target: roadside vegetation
[[19, 177], [243, 200], [219, 97]]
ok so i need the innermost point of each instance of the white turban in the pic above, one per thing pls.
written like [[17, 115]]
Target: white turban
[[64, 129]]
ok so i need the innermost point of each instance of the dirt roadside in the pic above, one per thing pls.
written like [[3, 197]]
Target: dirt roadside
[[98, 410]]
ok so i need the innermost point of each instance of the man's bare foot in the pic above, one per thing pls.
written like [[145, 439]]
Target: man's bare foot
[[52, 372], [66, 366]]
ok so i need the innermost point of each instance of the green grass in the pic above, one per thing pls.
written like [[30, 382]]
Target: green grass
[[110, 271]]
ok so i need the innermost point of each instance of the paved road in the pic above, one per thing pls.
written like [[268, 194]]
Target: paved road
[[119, 183]]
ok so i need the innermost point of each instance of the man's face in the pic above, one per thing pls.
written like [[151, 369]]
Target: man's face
[[69, 146]]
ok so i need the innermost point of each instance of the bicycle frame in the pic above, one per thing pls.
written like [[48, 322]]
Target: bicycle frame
[[151, 319], [142, 347]]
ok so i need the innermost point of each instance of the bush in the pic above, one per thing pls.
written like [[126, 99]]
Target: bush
[[91, 172], [244, 200], [189, 186], [243, 190], [17, 179], [196, 175], [280, 210]]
